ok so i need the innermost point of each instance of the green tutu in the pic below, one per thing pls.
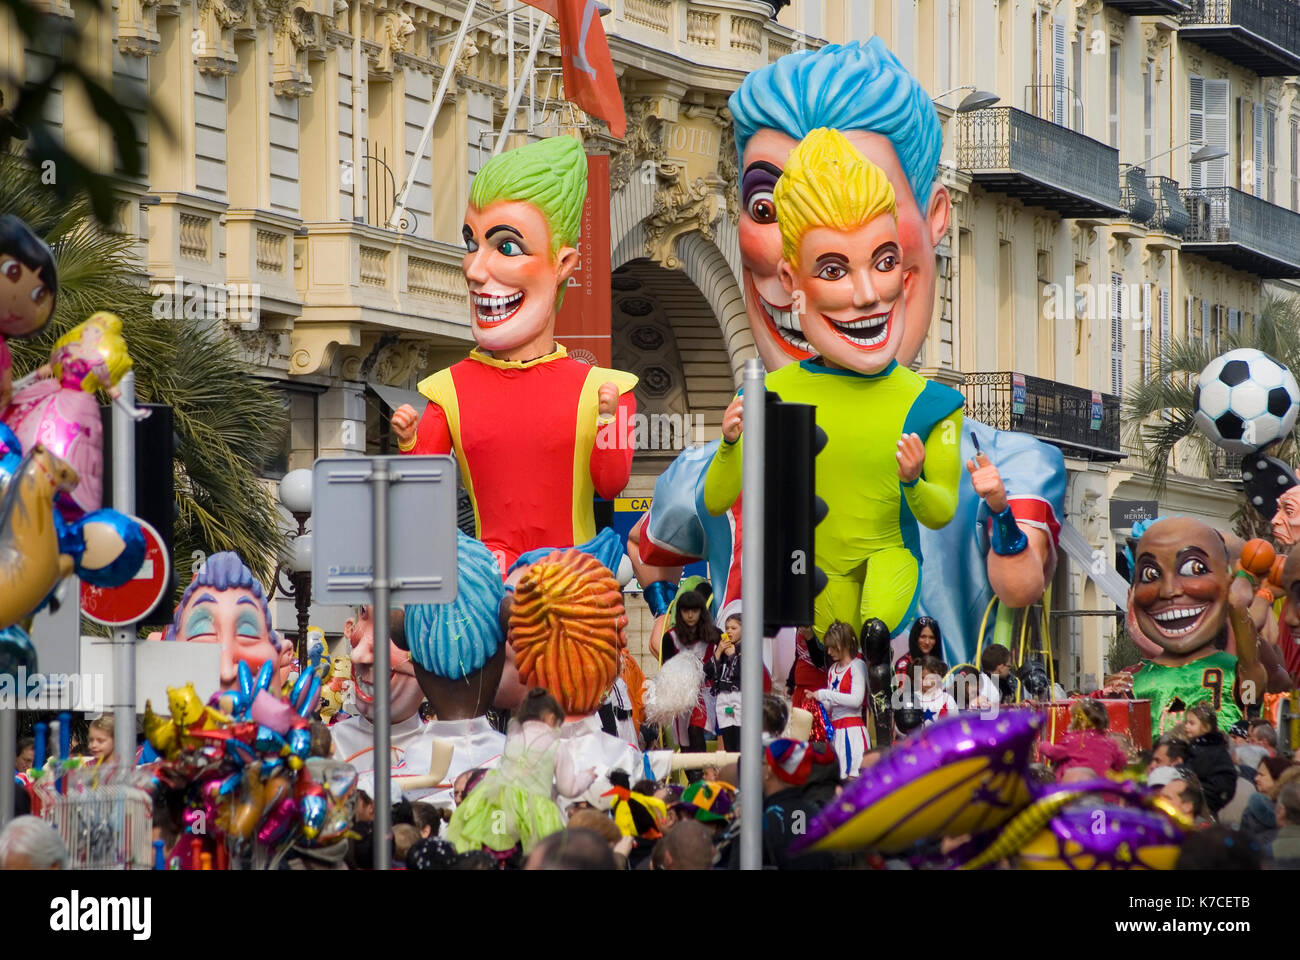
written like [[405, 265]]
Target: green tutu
[[511, 805]]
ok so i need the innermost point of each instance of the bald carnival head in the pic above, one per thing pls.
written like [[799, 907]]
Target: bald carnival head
[[1181, 576]]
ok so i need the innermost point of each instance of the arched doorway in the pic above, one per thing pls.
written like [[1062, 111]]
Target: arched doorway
[[666, 332]]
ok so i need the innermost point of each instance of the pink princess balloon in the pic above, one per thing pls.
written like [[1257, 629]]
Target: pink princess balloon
[[60, 411]]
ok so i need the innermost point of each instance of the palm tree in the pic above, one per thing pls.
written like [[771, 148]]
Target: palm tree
[[229, 422], [1158, 412]]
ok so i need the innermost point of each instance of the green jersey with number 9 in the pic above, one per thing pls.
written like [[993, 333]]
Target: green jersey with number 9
[[1212, 678]]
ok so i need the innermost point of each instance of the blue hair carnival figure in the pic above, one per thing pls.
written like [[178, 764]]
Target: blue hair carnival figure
[[1001, 542]]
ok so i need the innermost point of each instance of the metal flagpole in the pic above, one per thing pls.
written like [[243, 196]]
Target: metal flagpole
[[8, 749], [379, 481], [443, 83], [751, 663], [517, 93], [123, 637]]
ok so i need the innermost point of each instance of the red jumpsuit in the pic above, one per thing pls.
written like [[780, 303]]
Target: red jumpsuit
[[530, 450]]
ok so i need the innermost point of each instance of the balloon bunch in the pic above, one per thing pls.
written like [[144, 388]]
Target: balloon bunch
[[246, 769], [967, 776]]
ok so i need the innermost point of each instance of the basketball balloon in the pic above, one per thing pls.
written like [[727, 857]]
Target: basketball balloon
[[1257, 557]]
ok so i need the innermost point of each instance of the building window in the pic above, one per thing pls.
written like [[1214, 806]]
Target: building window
[[1270, 152], [1208, 124], [1117, 333], [1295, 164], [944, 253], [1149, 111]]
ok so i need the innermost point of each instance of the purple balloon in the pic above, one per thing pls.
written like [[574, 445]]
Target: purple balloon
[[1091, 835], [963, 775]]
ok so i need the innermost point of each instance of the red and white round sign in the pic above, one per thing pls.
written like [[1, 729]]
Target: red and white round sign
[[124, 605]]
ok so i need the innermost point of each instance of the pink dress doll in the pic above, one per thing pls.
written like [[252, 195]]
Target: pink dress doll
[[59, 408]]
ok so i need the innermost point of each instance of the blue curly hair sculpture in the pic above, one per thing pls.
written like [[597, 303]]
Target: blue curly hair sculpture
[[454, 640], [848, 86]]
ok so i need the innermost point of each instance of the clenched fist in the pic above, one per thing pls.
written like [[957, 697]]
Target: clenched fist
[[911, 457], [733, 420], [404, 422], [608, 395], [986, 480]]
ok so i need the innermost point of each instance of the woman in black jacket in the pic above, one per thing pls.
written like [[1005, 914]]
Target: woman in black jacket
[[1208, 756]]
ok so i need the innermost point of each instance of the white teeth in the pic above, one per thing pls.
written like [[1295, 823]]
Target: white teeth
[[1179, 613], [787, 326], [491, 309], [851, 330]]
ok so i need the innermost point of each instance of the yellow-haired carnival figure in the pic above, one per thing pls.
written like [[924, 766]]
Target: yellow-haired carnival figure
[[60, 411], [893, 457]]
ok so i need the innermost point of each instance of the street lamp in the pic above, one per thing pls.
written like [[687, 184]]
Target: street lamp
[[295, 495], [1204, 154], [976, 100]]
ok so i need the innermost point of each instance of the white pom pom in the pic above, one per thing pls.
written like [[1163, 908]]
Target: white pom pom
[[675, 691]]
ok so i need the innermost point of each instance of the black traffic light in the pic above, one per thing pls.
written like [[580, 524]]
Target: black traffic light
[[156, 449], [791, 578]]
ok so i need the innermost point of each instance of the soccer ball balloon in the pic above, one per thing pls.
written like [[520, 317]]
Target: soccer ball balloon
[[1245, 400]]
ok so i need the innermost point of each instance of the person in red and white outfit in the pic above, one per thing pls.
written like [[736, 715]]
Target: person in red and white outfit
[[846, 688]]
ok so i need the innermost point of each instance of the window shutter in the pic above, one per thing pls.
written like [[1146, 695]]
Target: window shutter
[[1060, 78], [1196, 132], [1187, 336], [1216, 131], [1149, 111], [1257, 112], [1164, 328], [1117, 333], [1146, 332], [1234, 322], [1205, 322]]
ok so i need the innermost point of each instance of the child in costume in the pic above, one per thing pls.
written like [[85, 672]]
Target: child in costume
[[846, 688], [60, 410], [695, 633], [537, 433], [1086, 744], [935, 701], [893, 454], [515, 803]]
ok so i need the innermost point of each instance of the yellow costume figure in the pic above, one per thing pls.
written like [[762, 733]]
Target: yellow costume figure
[[841, 262]]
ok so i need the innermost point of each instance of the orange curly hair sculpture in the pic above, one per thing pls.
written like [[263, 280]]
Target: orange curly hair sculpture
[[568, 627]]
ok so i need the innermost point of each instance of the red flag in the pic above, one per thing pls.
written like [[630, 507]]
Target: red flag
[[589, 77]]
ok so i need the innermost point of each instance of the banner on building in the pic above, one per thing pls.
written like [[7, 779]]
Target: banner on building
[[583, 322]]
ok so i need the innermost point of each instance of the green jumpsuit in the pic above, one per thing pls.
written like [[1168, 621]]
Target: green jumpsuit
[[868, 545]]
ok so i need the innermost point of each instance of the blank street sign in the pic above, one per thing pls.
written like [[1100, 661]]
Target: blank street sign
[[421, 534]]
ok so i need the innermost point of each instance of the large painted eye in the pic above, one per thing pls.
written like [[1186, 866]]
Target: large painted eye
[[887, 263], [760, 207], [832, 271], [511, 248], [1192, 567], [12, 269], [1149, 573], [38, 294], [468, 236]]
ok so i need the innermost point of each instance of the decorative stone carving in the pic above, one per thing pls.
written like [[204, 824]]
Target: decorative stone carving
[[681, 207], [297, 31], [644, 142], [393, 34], [313, 345], [396, 363], [213, 38], [729, 165], [137, 28]]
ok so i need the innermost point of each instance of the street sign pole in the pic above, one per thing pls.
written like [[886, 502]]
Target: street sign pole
[[751, 664], [383, 670], [124, 636], [8, 747], [410, 503]]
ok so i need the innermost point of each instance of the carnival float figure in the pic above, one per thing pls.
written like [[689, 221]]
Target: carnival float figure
[[892, 457], [225, 604], [458, 650], [60, 411], [1184, 598], [354, 738], [536, 432], [28, 288], [1002, 540]]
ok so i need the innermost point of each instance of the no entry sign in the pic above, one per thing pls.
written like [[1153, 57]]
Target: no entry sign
[[127, 604]]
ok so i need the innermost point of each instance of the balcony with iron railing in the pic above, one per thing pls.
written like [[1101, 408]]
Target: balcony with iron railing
[[1260, 35], [1135, 196], [1040, 162], [1242, 231], [1170, 216], [1081, 422]]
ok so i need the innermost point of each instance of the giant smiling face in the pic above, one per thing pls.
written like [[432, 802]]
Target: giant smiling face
[[776, 333], [1180, 587]]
